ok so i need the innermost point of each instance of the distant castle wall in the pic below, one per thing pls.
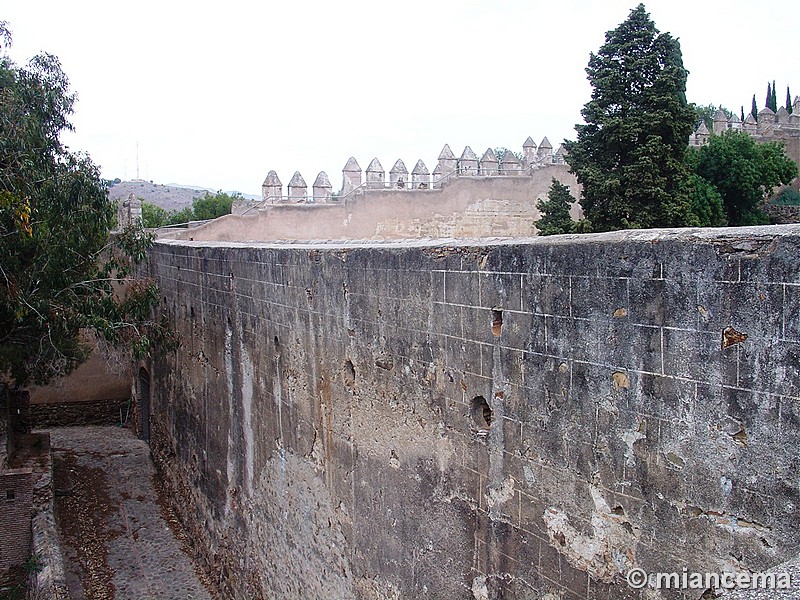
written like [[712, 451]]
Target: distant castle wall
[[463, 207], [781, 126]]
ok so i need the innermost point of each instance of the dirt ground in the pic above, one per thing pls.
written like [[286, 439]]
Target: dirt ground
[[119, 538]]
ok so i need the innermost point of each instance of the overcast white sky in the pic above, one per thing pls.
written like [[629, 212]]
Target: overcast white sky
[[217, 94]]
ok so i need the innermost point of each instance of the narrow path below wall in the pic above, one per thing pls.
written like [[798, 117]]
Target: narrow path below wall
[[118, 538]]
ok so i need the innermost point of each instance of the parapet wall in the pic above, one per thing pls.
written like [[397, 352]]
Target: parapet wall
[[464, 207], [434, 420]]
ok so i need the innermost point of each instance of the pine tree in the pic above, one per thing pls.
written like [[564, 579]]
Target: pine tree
[[754, 108], [629, 156], [788, 101], [555, 210]]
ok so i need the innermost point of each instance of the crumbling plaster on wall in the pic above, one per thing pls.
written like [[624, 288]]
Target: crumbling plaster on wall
[[454, 420]]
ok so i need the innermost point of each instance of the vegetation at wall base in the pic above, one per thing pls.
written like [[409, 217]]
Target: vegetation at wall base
[[555, 210], [744, 173], [63, 277]]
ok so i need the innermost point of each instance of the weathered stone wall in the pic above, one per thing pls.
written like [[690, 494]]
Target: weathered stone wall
[[482, 421]]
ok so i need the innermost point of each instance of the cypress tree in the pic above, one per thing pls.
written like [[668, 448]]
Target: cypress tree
[[754, 108], [769, 95], [629, 155], [742, 113], [773, 101], [788, 101]]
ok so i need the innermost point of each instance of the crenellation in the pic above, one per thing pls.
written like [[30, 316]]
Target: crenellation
[[375, 174], [297, 188], [447, 169], [398, 175], [321, 189], [489, 164], [129, 212], [468, 163]]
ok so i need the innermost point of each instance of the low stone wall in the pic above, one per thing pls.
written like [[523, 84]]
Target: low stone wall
[[482, 420], [114, 411]]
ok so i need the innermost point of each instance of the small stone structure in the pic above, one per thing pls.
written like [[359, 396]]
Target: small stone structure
[[129, 212]]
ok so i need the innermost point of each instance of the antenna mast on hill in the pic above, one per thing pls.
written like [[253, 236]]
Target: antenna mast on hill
[[137, 159]]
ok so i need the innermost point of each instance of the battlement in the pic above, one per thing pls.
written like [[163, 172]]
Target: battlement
[[355, 180], [767, 126]]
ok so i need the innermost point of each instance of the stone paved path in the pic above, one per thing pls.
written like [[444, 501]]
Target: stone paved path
[[115, 530]]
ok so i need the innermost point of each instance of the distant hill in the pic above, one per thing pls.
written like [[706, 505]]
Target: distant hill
[[169, 197]]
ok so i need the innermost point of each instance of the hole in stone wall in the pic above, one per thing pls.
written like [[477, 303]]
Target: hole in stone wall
[[481, 414], [497, 321], [10, 494], [191, 312], [349, 371]]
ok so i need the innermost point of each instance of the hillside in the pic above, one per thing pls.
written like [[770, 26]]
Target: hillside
[[168, 197]]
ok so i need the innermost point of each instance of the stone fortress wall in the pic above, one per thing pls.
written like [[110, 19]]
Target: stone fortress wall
[[481, 419]]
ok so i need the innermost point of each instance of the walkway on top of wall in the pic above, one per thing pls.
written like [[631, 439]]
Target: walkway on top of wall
[[114, 527]]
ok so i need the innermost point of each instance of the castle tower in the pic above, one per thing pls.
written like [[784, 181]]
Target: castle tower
[[398, 175], [720, 122], [468, 163], [351, 176], [750, 124], [297, 188], [272, 188], [489, 164], [447, 164], [510, 165], [375, 174], [782, 116], [766, 121], [560, 156], [544, 155], [420, 177], [700, 136], [735, 123], [129, 212], [529, 152], [321, 190]]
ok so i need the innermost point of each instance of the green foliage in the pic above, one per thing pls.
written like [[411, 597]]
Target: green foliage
[[629, 156], [788, 101], [555, 210], [773, 99], [212, 206], [787, 197], [153, 216], [61, 275], [768, 101], [502, 151], [744, 173], [754, 108], [182, 216], [705, 114]]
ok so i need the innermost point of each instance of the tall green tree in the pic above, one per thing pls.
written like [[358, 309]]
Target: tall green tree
[[754, 108], [555, 217], [629, 155], [773, 101], [61, 275], [788, 101], [744, 173], [768, 101]]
